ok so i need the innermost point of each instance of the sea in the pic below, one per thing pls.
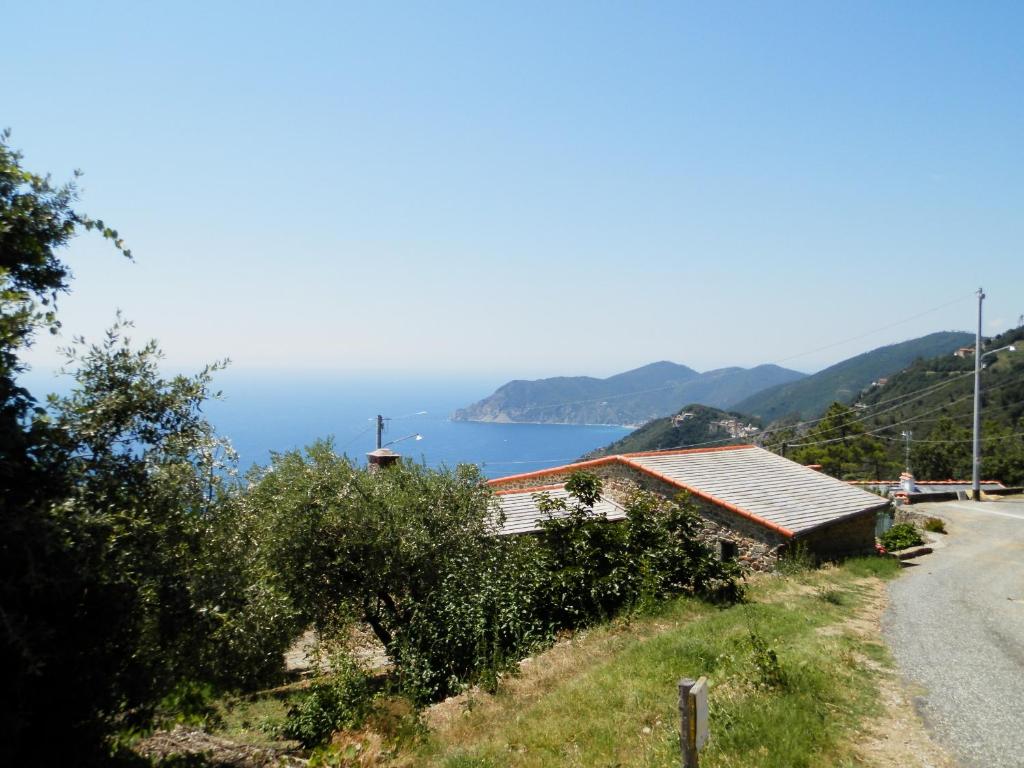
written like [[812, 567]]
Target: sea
[[263, 414], [266, 412]]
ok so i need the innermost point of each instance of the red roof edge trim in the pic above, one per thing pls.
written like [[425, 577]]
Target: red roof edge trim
[[554, 470], [610, 459], [708, 497], [535, 489]]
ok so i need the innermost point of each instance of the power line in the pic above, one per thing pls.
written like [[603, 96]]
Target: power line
[[357, 436], [867, 432], [912, 419], [988, 410], [919, 394], [877, 330], [906, 397], [964, 440]]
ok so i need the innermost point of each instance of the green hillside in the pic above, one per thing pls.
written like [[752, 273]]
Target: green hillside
[[845, 381], [693, 425], [934, 400], [633, 397]]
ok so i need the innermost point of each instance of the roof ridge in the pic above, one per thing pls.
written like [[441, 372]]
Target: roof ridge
[[610, 459], [531, 489], [554, 470]]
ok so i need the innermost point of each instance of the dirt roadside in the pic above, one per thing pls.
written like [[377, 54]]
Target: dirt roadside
[[898, 738]]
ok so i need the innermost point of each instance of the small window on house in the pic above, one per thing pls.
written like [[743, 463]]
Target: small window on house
[[728, 551]]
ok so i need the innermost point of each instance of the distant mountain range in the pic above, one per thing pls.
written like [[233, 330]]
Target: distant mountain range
[[844, 381], [766, 393], [693, 425], [631, 398]]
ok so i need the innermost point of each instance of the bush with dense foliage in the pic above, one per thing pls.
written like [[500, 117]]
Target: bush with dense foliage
[[901, 536], [335, 703], [593, 569]]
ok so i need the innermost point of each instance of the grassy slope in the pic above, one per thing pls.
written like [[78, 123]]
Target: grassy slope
[[608, 698]]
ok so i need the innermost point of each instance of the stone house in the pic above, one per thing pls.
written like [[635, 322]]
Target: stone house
[[754, 504]]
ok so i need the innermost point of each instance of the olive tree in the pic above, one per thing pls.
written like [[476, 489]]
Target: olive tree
[[408, 550]]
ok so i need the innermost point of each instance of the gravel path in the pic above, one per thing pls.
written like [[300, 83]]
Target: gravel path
[[956, 627]]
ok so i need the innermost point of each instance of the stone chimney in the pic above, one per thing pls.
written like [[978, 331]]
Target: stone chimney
[[380, 458]]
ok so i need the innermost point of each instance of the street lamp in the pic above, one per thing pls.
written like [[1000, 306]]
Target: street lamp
[[978, 355], [415, 435]]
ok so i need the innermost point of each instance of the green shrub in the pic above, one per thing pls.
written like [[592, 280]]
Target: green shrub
[[341, 702], [766, 663], [189, 703], [935, 525], [593, 569], [901, 536]]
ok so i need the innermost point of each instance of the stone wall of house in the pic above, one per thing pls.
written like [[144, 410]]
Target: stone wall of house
[[853, 535], [757, 547]]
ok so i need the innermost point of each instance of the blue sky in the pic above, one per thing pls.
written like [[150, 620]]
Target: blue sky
[[531, 189]]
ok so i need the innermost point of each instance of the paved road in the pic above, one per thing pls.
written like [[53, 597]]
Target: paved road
[[956, 627]]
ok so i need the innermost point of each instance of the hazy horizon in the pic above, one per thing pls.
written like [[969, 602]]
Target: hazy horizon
[[50, 368]]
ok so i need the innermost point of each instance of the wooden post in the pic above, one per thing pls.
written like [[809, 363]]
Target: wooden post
[[693, 717], [688, 724]]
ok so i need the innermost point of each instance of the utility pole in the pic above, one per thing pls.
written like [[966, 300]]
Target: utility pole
[[380, 430], [907, 435], [976, 463]]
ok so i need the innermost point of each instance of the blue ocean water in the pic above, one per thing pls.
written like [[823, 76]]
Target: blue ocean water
[[274, 412]]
